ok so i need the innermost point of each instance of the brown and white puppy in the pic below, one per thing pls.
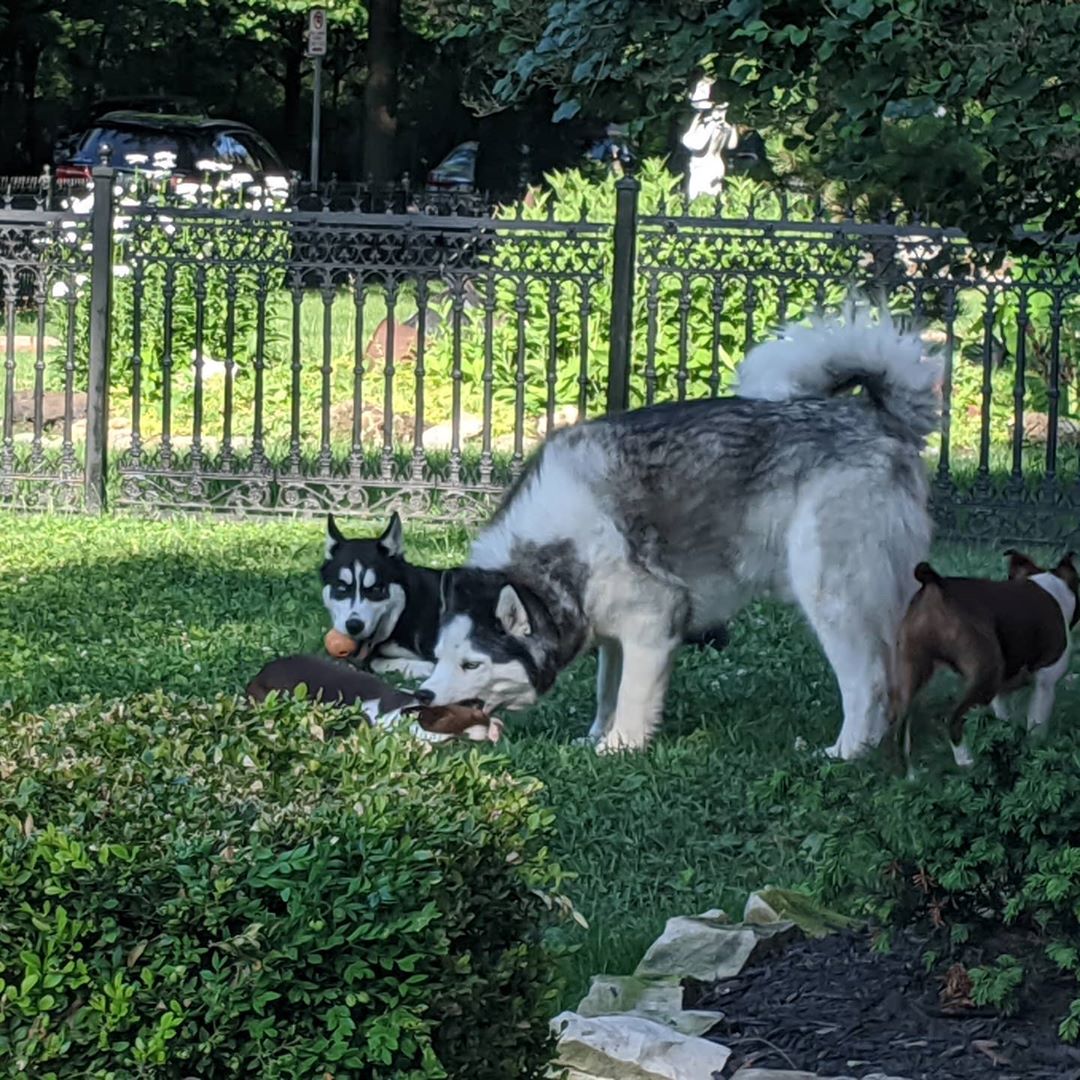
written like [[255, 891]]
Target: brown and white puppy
[[341, 684], [997, 635]]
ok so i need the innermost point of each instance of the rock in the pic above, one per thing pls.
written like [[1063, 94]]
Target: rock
[[633, 1048], [563, 416], [29, 343], [660, 1000], [371, 423], [706, 947], [440, 436], [52, 407], [1037, 429]]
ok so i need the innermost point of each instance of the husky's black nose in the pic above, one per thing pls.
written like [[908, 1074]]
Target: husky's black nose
[[354, 627], [425, 697]]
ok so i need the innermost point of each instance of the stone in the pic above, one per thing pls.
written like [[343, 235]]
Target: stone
[[440, 436], [563, 416], [658, 999], [707, 947], [633, 1048], [53, 405]]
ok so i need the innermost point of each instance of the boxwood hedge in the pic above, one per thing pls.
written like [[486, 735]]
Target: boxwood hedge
[[210, 889]]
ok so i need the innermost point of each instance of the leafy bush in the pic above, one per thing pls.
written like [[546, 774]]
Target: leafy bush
[[962, 854], [690, 324], [214, 890]]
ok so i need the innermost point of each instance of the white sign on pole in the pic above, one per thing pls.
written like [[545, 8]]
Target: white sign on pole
[[316, 32]]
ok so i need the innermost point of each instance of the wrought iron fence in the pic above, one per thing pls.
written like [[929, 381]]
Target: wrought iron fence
[[252, 356]]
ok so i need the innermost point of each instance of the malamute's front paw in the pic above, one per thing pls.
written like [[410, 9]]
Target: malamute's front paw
[[843, 751], [615, 742]]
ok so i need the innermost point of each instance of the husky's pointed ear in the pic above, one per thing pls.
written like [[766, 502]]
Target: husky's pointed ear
[[392, 541], [334, 535], [446, 589], [1020, 566], [511, 613]]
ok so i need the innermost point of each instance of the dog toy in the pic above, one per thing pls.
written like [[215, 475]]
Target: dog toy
[[341, 646], [335, 683]]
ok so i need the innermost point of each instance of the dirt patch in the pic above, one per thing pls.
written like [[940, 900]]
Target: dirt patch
[[838, 1008]]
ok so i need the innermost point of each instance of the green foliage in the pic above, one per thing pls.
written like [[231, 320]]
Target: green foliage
[[122, 605], [180, 290], [997, 984], [969, 115], [962, 854], [215, 890], [690, 321]]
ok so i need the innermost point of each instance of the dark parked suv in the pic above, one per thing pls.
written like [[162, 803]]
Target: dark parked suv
[[136, 141]]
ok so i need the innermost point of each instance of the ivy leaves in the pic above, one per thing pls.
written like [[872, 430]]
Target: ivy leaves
[[969, 115]]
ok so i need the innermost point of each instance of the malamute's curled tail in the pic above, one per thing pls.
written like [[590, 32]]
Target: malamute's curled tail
[[832, 355]]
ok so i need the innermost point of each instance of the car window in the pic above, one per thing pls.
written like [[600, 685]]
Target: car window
[[230, 150], [264, 158], [268, 154], [128, 147]]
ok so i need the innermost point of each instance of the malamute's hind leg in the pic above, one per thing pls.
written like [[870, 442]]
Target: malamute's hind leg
[[851, 562], [859, 660]]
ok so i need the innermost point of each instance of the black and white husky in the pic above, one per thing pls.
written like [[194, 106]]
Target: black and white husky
[[636, 530], [391, 607], [384, 603]]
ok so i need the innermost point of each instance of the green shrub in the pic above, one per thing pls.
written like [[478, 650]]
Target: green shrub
[[969, 855], [214, 890]]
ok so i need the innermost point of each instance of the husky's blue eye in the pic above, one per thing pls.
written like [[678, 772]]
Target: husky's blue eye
[[469, 665], [377, 592]]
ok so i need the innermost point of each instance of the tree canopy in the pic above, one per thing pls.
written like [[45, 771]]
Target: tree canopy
[[966, 112]]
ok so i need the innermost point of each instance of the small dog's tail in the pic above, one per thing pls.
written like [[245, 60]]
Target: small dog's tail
[[925, 574], [836, 354]]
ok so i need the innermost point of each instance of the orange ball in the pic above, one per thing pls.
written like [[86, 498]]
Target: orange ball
[[339, 645]]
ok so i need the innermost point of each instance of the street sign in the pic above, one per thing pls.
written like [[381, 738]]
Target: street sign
[[316, 32]]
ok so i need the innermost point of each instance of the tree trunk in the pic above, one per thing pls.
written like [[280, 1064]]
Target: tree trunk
[[380, 93]]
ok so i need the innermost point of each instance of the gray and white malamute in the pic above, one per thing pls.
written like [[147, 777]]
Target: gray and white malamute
[[638, 530]]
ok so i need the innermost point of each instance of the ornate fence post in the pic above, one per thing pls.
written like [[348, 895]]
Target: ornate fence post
[[97, 388], [622, 295]]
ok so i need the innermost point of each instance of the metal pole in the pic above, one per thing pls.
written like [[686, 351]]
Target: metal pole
[[316, 116], [97, 386], [622, 298]]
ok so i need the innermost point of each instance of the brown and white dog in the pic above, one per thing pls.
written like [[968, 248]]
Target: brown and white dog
[[998, 636], [341, 684]]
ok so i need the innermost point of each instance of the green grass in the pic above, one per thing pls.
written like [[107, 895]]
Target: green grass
[[118, 606]]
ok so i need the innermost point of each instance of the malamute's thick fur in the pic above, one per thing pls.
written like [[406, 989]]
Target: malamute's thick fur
[[636, 530]]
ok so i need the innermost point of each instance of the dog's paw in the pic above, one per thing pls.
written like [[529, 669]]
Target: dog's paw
[[615, 743], [962, 756], [842, 751]]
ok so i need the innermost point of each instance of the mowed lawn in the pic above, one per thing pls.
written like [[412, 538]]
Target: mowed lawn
[[119, 606]]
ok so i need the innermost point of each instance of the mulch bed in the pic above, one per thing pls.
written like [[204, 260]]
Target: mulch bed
[[837, 1008]]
